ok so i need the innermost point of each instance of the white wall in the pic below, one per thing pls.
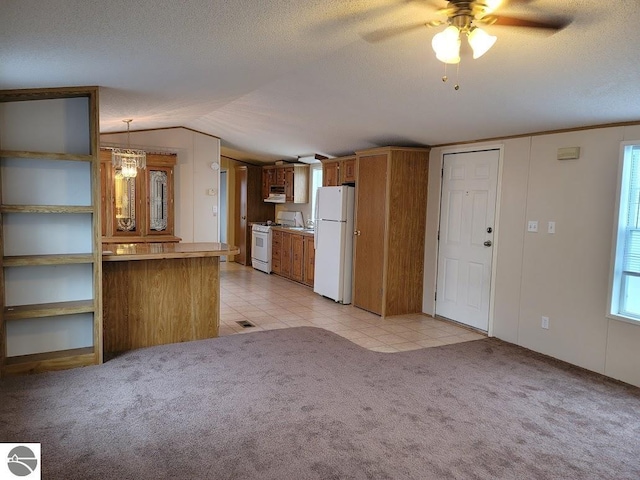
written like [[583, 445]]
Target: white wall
[[564, 275], [194, 208]]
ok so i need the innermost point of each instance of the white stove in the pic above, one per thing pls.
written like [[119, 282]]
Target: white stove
[[261, 238]]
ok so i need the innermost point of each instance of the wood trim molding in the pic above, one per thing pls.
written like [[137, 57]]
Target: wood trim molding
[[161, 128], [538, 134]]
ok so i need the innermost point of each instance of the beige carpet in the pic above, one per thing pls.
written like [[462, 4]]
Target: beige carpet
[[304, 403]]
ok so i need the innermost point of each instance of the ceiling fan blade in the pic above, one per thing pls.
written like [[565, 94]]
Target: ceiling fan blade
[[390, 32], [549, 24]]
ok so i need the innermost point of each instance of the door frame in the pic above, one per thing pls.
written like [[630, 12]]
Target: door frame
[[223, 208], [496, 243]]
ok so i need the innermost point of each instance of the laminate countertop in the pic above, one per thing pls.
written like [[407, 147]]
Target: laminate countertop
[[300, 230], [117, 252]]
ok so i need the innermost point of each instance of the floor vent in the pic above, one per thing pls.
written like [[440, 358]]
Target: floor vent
[[245, 323]]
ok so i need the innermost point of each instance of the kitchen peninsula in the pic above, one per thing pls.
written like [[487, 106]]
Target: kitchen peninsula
[[157, 293]]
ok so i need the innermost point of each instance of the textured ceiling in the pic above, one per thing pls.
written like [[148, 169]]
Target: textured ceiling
[[286, 78]]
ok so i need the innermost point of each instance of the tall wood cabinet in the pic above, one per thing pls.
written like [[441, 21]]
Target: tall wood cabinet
[[249, 207], [139, 209], [390, 222], [51, 312]]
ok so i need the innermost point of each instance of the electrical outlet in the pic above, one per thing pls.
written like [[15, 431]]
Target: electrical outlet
[[545, 323], [532, 226]]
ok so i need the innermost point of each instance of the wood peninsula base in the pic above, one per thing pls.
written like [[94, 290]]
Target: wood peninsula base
[[155, 294]]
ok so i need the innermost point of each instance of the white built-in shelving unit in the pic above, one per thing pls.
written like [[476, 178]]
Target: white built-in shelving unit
[[50, 230]]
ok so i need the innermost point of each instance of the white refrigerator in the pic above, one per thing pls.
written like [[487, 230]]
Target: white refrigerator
[[334, 242]]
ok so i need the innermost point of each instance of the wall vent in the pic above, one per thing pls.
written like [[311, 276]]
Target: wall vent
[[569, 153]]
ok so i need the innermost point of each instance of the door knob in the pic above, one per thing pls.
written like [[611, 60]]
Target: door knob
[[357, 232], [488, 243]]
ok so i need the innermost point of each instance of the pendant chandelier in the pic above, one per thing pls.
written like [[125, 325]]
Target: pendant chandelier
[[128, 160]]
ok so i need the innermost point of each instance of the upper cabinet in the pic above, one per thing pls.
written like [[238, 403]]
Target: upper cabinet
[[292, 180], [138, 209], [338, 171]]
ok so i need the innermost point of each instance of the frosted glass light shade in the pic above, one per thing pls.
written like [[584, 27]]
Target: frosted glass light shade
[[480, 42], [492, 5], [446, 44], [128, 160]]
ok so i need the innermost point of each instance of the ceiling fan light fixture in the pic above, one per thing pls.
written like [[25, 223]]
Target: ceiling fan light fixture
[[446, 44], [480, 42], [491, 5]]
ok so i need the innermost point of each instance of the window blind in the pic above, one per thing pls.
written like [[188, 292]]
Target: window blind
[[631, 256]]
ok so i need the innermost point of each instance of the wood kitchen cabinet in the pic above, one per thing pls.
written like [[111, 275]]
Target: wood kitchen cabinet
[[349, 170], [293, 256], [276, 251], [309, 260], [297, 258], [331, 173], [390, 221], [249, 207], [294, 178], [268, 179], [139, 209], [338, 171], [285, 255]]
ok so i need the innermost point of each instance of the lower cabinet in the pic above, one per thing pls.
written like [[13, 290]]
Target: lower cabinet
[[293, 256], [309, 260], [276, 251], [297, 258]]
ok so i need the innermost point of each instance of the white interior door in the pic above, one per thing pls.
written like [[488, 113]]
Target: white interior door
[[467, 230]]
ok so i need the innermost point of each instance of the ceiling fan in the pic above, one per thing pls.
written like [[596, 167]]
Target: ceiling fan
[[465, 18]]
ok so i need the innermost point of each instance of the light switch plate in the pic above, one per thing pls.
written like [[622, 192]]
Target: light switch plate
[[532, 226], [545, 323], [551, 228]]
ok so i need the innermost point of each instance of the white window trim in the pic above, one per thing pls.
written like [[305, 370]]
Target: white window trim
[[314, 187], [615, 275]]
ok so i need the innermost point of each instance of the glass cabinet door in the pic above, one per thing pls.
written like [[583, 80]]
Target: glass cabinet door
[[134, 209], [126, 210], [159, 201]]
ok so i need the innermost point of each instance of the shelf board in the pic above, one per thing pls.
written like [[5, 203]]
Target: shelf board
[[43, 362], [46, 209], [42, 310], [36, 260], [46, 155]]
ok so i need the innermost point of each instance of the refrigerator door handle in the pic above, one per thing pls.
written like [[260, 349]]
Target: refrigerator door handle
[[315, 221]]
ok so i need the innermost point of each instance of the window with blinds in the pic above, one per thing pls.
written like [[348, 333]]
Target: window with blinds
[[625, 281]]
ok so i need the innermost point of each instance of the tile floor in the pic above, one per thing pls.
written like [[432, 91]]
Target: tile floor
[[270, 302]]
